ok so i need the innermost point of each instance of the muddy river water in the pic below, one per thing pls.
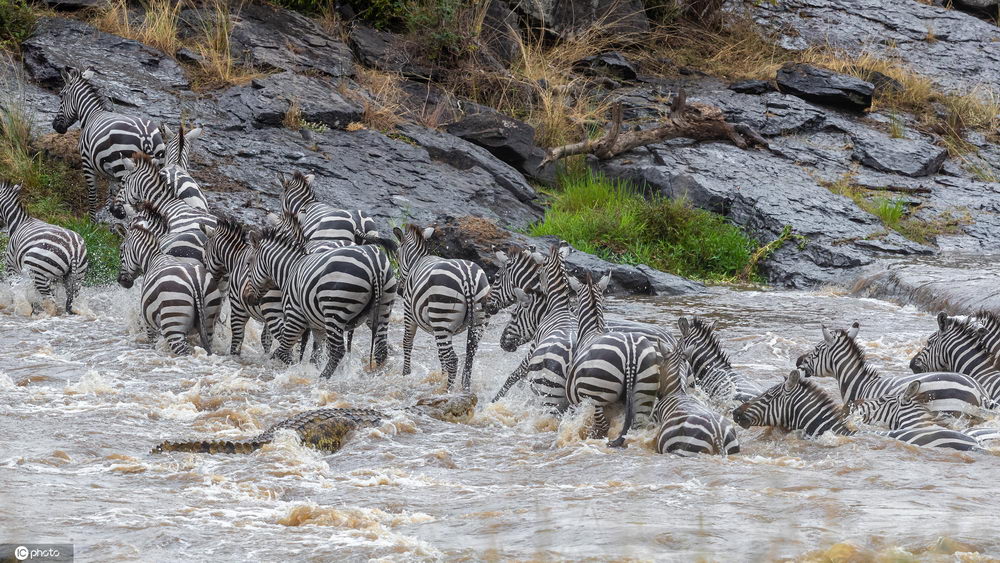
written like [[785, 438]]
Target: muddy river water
[[84, 398]]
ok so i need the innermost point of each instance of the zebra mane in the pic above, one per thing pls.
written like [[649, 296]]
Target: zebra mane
[[825, 399], [279, 235], [854, 348], [93, 89], [705, 331], [229, 225], [143, 160], [300, 179], [966, 329]]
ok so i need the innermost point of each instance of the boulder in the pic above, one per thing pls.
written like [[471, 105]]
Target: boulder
[[755, 87], [957, 285], [825, 86], [611, 65], [909, 157], [265, 101], [387, 52], [508, 139], [662, 283]]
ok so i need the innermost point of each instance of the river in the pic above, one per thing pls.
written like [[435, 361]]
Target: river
[[83, 399]]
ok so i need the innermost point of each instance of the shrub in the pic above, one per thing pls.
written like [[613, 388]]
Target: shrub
[[608, 218], [17, 21]]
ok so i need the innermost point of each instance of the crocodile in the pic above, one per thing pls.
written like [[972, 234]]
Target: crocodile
[[326, 429]]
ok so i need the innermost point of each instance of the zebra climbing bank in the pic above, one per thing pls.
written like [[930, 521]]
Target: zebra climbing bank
[[177, 296], [839, 356], [442, 297], [333, 290], [610, 367], [46, 252], [107, 139]]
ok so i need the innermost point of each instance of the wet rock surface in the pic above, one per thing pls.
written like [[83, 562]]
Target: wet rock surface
[[825, 87], [506, 138], [909, 157], [266, 101], [958, 285]]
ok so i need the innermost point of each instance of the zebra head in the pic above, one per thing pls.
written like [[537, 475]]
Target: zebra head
[[412, 247], [178, 151], [701, 345], [676, 374], [138, 247], [225, 246], [524, 319], [143, 181], [794, 404], [10, 203], [519, 268], [270, 261], [296, 192], [837, 346], [950, 345], [899, 410], [77, 97], [590, 297]]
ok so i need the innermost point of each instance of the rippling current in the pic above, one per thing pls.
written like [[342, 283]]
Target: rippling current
[[83, 399]]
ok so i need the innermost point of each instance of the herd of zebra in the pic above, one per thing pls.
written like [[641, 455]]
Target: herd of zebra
[[325, 271]]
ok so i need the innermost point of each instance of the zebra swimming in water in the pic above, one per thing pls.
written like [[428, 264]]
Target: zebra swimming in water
[[442, 297], [48, 253], [177, 296], [960, 346], [687, 427], [712, 368], [333, 290], [794, 404], [839, 356], [610, 367], [107, 139]]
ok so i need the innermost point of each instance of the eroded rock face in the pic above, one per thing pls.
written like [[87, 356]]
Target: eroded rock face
[[909, 157], [508, 139], [266, 101], [825, 87]]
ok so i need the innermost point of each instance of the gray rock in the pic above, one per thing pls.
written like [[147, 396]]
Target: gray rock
[[979, 5], [755, 87], [909, 157], [825, 86], [958, 284], [662, 283], [611, 65], [71, 5], [269, 37], [501, 32], [265, 101], [508, 139], [388, 52]]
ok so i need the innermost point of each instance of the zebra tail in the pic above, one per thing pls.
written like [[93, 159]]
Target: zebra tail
[[201, 318], [77, 271], [629, 398], [377, 290]]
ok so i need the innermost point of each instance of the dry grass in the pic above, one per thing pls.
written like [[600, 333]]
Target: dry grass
[[219, 67], [293, 116], [158, 27], [383, 108]]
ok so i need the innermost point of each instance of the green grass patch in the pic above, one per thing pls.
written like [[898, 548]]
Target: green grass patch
[[17, 21], [610, 219]]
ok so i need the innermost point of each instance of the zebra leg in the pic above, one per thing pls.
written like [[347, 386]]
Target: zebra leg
[[601, 424], [178, 342], [350, 339], [475, 334], [43, 285], [520, 373], [265, 338], [91, 178], [291, 332], [447, 355], [335, 349], [237, 324], [409, 331]]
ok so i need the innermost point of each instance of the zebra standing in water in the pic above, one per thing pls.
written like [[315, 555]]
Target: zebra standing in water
[[910, 421], [794, 404], [46, 251], [177, 296], [334, 290], [687, 427], [107, 139], [442, 297], [608, 367], [322, 223], [144, 181], [228, 253], [519, 269], [175, 167], [839, 356], [959, 346], [712, 369]]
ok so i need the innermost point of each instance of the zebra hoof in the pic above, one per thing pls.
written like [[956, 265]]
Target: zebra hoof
[[618, 443]]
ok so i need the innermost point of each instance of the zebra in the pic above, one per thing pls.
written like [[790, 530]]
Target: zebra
[[687, 427], [144, 181], [712, 367], [528, 324], [177, 296], [184, 244], [228, 253], [107, 139], [175, 166], [609, 367], [910, 421], [958, 346], [322, 223], [519, 269], [794, 404], [442, 297], [334, 290], [48, 253], [839, 356]]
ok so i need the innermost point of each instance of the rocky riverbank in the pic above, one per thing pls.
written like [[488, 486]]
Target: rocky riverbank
[[470, 163]]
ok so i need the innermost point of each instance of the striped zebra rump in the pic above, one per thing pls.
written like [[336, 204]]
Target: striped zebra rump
[[688, 428], [447, 294], [548, 366], [179, 298], [185, 187], [112, 138], [935, 437]]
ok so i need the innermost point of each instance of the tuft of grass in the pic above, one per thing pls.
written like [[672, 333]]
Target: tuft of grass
[[218, 67], [890, 211], [610, 219], [158, 26], [17, 21], [382, 108], [896, 130]]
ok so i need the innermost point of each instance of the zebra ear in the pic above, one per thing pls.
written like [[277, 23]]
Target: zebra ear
[[272, 220], [522, 297], [537, 258], [912, 390], [602, 284], [501, 257], [792, 381], [310, 178], [942, 319], [427, 233], [130, 165], [853, 331], [827, 335], [16, 188], [564, 249], [398, 232], [193, 134], [575, 284], [168, 133], [682, 324], [253, 238], [88, 73]]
